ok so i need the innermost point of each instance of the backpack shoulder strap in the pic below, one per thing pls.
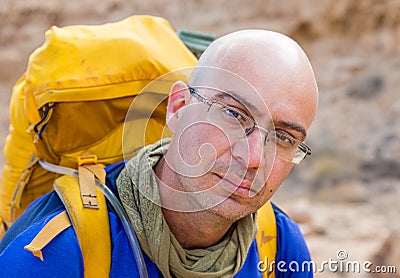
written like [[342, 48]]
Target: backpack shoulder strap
[[91, 227], [266, 239]]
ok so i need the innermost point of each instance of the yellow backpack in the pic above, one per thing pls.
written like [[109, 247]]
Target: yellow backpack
[[74, 96], [69, 109]]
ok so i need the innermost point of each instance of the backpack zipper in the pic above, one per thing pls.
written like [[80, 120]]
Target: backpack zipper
[[40, 126]]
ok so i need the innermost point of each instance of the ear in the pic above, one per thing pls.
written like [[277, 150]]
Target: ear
[[179, 96]]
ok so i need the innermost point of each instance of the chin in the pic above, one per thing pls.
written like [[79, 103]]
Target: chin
[[232, 210]]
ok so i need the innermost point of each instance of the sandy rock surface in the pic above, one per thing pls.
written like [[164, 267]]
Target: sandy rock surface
[[345, 196]]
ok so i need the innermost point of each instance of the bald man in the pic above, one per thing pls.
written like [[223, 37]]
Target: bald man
[[239, 127]]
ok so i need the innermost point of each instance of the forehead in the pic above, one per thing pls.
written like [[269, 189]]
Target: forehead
[[227, 84]]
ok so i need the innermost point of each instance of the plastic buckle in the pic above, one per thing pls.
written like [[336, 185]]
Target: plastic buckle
[[87, 159]]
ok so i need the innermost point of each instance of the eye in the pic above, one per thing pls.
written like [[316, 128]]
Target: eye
[[233, 113], [285, 138]]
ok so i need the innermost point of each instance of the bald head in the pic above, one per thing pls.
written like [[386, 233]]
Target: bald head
[[243, 48], [261, 57]]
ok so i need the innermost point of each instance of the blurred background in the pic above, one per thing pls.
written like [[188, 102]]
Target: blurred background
[[345, 197]]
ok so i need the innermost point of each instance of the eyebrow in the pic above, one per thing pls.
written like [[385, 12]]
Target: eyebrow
[[293, 126], [232, 95]]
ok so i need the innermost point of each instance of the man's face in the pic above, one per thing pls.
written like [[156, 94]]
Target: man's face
[[221, 169]]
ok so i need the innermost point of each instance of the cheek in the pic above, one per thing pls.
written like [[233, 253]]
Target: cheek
[[279, 172], [198, 145]]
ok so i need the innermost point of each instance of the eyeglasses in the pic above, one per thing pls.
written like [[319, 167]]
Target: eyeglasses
[[238, 125]]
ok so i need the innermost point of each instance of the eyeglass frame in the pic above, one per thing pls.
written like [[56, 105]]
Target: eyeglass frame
[[302, 146]]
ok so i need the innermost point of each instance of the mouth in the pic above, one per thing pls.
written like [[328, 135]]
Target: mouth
[[237, 186]]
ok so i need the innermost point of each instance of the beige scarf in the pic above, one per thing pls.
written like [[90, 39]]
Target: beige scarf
[[221, 260]]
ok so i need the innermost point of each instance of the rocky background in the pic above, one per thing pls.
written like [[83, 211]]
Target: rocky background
[[346, 196]]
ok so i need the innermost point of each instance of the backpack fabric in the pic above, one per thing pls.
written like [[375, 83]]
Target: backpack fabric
[[74, 96]]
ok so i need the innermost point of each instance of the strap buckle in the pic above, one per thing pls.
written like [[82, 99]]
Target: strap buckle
[[87, 159]]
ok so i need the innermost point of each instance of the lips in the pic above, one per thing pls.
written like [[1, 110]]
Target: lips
[[237, 186]]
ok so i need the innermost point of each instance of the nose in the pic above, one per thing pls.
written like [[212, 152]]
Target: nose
[[250, 150]]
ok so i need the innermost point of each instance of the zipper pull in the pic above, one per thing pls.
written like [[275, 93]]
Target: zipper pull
[[40, 127]]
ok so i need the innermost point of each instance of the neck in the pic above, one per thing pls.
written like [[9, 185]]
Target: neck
[[194, 229], [199, 229]]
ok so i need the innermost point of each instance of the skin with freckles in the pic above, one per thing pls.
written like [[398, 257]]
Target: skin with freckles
[[265, 74]]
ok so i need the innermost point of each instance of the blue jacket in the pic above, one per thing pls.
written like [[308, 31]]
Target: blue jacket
[[63, 257]]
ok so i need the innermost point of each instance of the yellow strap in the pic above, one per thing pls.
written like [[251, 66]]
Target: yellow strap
[[87, 188], [3, 228], [98, 171], [15, 202], [54, 227], [91, 226], [266, 239], [89, 169]]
